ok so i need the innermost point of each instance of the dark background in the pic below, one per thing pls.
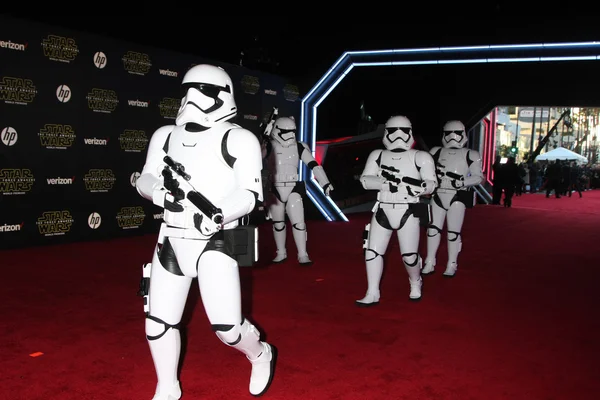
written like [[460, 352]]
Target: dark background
[[71, 204], [302, 48], [303, 44]]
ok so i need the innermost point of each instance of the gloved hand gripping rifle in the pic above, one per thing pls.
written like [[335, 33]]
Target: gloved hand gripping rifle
[[195, 197], [393, 175]]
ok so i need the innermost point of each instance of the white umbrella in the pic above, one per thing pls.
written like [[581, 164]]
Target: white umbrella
[[560, 153]]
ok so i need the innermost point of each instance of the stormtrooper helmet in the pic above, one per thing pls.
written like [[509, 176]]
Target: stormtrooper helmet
[[207, 97], [284, 131], [398, 133], [454, 135]]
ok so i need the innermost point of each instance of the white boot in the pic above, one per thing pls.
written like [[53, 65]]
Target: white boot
[[280, 257], [369, 300], [374, 271], [415, 289], [429, 267], [451, 269], [304, 260], [300, 237], [263, 368], [279, 233], [174, 393]]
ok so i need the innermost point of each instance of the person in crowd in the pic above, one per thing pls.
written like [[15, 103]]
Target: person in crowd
[[553, 177], [511, 179]]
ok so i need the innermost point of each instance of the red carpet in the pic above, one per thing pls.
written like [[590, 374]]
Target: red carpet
[[520, 320]]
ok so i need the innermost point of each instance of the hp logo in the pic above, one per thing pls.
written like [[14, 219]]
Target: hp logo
[[9, 136], [134, 177], [100, 60], [94, 220], [63, 93]]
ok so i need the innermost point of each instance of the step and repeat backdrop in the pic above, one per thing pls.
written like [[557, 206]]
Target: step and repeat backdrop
[[76, 114]]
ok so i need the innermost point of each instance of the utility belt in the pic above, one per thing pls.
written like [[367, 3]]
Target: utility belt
[[285, 177], [239, 242], [446, 190], [464, 196], [421, 210], [396, 198], [285, 184]]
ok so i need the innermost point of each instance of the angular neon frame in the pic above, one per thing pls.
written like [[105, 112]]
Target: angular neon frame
[[542, 52]]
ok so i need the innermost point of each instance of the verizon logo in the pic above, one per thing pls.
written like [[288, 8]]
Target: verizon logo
[[138, 103], [11, 228], [60, 181], [13, 46], [251, 117], [95, 141], [159, 216], [271, 92], [167, 72]]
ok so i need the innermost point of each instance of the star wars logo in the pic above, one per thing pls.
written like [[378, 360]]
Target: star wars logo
[[58, 48], [102, 100], [57, 136], [11, 228], [250, 84], [19, 91], [291, 92], [99, 180], [133, 141], [169, 107], [131, 217], [55, 223], [16, 181], [136, 63]]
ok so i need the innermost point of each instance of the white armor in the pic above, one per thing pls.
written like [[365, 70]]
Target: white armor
[[458, 169], [283, 156], [223, 163], [401, 174]]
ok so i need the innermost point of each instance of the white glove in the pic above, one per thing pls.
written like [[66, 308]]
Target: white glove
[[328, 189], [205, 225], [429, 187]]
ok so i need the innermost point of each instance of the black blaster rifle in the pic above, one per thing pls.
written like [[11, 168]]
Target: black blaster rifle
[[392, 174], [196, 198], [449, 174], [267, 126]]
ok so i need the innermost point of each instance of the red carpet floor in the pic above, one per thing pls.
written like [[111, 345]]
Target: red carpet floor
[[519, 321]]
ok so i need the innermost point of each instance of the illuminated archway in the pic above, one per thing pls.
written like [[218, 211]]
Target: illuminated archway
[[543, 52]]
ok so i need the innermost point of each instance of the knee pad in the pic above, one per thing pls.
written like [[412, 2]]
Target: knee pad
[[157, 328], [235, 335], [372, 254], [278, 226], [433, 231], [300, 226], [454, 236], [410, 259]]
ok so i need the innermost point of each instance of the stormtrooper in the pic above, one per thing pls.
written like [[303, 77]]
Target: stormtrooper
[[283, 155], [206, 174], [402, 175], [457, 169]]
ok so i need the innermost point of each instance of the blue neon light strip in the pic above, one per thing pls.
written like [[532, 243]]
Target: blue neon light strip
[[333, 77]]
